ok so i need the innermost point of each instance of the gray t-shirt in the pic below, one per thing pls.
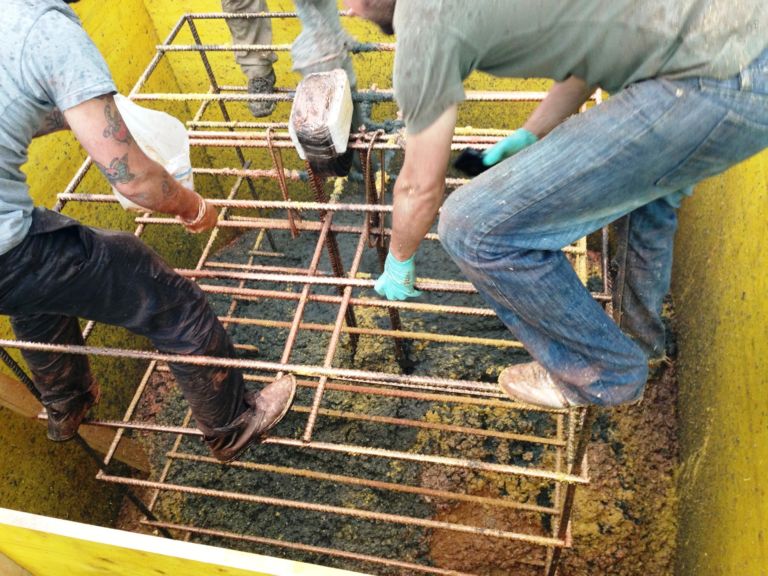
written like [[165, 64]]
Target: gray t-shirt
[[608, 43], [47, 61]]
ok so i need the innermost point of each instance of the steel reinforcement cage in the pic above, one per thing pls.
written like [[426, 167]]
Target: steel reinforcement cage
[[531, 516]]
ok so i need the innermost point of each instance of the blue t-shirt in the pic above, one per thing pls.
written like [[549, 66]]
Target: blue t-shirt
[[47, 61]]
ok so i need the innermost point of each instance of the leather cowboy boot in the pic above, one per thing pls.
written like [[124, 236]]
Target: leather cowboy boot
[[265, 409]]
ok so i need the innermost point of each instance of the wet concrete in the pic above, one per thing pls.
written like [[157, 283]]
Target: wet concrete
[[624, 521]]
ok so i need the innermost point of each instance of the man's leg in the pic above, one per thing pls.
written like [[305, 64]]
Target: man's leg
[[114, 278], [256, 65], [65, 382], [506, 228], [323, 45], [642, 270]]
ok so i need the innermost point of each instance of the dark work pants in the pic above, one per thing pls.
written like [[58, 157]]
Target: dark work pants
[[63, 271]]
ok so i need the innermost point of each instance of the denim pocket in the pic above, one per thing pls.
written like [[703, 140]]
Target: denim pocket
[[731, 141]]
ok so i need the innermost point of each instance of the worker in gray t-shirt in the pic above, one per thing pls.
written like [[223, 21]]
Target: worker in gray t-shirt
[[689, 98], [54, 269]]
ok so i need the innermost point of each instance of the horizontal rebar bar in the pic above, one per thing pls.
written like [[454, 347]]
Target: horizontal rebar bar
[[245, 15], [388, 392], [338, 510], [245, 143], [357, 450], [285, 136], [356, 48], [400, 334], [384, 378], [435, 459], [249, 204], [319, 549], [375, 96], [407, 422], [255, 294], [375, 484], [264, 268], [426, 285]]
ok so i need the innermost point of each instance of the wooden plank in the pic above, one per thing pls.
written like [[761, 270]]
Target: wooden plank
[[9, 568], [51, 547], [15, 396]]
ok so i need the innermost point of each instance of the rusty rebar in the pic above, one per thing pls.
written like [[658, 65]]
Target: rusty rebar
[[384, 378], [374, 484], [332, 246], [409, 567], [566, 444], [277, 162], [339, 510], [588, 417], [344, 308]]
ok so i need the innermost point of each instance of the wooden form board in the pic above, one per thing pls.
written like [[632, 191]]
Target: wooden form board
[[46, 546], [15, 396]]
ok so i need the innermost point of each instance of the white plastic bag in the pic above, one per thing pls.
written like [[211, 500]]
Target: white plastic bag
[[161, 137]]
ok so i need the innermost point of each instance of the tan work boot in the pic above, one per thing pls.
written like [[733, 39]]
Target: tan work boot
[[265, 409], [64, 418], [531, 383]]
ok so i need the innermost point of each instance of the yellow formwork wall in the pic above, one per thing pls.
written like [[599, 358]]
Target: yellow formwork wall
[[721, 295]]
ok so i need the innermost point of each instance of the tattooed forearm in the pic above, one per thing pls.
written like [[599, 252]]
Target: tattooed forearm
[[116, 127], [166, 187], [53, 122], [117, 172]]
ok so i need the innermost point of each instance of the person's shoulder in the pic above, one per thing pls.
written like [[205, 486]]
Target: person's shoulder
[[27, 12], [20, 17], [410, 15]]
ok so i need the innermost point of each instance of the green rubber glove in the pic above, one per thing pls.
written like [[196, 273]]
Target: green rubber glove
[[396, 282], [511, 145]]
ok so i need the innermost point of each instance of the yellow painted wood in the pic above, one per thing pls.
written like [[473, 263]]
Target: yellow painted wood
[[51, 547], [721, 297]]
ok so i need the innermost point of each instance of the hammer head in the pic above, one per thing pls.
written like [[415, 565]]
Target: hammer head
[[321, 120]]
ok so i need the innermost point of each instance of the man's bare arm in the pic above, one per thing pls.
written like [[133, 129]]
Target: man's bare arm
[[420, 186], [101, 130], [563, 100], [53, 122]]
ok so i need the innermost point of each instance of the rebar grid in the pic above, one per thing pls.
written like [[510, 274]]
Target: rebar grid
[[416, 452]]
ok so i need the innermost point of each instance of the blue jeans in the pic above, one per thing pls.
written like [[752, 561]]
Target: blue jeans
[[637, 154]]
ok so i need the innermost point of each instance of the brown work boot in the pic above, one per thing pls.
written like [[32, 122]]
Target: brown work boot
[[531, 383], [262, 85], [265, 409], [64, 418]]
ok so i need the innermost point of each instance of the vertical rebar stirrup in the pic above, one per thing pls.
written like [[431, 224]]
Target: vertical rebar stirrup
[[373, 196], [332, 245], [277, 162]]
